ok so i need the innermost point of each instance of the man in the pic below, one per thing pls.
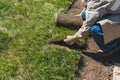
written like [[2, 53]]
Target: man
[[102, 21]]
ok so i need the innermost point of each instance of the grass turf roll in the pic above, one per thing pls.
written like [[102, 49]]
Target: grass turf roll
[[69, 20]]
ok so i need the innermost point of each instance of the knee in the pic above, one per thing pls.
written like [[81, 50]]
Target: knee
[[84, 15], [95, 29]]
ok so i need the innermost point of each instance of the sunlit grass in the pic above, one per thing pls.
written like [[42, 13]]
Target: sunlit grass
[[26, 27]]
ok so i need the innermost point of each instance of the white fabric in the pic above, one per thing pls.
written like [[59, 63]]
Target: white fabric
[[116, 5], [91, 14]]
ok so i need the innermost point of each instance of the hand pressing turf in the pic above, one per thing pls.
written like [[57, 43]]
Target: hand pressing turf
[[75, 45]]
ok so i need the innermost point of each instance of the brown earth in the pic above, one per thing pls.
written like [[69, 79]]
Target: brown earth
[[93, 67]]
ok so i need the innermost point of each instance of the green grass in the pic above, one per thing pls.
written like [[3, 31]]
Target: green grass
[[26, 26]]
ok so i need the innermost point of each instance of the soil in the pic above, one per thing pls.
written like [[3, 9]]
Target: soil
[[93, 67], [96, 68]]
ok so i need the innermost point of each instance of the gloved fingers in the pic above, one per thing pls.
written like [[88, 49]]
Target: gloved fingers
[[69, 40]]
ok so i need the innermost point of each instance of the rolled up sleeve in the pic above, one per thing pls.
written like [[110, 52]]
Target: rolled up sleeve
[[92, 16]]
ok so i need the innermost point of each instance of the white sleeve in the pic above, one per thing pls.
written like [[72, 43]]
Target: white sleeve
[[82, 32], [92, 16]]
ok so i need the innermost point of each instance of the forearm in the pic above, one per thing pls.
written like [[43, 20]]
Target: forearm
[[82, 32]]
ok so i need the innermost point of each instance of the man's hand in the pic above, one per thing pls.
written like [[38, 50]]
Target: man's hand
[[70, 40]]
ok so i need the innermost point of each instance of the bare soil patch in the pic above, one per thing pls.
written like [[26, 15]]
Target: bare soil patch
[[93, 67]]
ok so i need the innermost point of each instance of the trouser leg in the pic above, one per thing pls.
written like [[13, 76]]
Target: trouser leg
[[97, 34]]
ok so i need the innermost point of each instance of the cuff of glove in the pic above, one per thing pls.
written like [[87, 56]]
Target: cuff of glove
[[70, 40]]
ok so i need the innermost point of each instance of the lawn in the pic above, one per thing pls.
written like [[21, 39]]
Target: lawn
[[26, 26]]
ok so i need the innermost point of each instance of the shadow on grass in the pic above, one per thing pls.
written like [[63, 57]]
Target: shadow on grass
[[80, 67]]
